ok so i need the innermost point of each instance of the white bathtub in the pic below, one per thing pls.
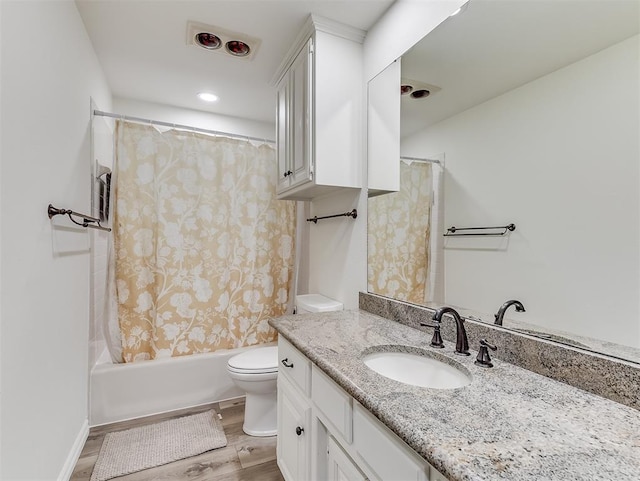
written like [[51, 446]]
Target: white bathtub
[[124, 391]]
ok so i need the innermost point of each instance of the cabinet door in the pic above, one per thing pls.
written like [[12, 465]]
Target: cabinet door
[[282, 134], [300, 111], [294, 438], [340, 466]]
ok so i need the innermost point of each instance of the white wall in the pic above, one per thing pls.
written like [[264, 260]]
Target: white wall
[[338, 249], [44, 300], [559, 157], [195, 118]]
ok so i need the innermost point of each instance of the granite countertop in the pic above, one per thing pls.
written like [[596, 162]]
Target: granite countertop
[[509, 423]]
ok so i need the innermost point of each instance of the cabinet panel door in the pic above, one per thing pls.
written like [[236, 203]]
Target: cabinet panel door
[[294, 424], [341, 467], [333, 401], [383, 451], [300, 161], [282, 134]]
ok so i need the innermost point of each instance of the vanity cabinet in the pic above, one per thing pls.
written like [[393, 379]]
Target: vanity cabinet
[[318, 115], [325, 434], [340, 467], [294, 433]]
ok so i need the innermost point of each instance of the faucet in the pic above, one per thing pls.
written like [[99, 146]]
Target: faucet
[[462, 344], [500, 314]]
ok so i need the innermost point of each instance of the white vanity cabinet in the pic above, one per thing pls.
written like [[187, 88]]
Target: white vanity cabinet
[[294, 433], [318, 118], [324, 434], [340, 467]]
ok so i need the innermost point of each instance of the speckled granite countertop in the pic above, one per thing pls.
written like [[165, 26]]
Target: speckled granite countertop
[[509, 423]]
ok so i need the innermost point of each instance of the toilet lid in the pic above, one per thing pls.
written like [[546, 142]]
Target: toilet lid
[[260, 359]]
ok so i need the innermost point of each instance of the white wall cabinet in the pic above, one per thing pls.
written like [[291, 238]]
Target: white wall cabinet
[[293, 122], [340, 440], [319, 111]]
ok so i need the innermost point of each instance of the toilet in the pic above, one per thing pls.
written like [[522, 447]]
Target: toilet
[[256, 372]]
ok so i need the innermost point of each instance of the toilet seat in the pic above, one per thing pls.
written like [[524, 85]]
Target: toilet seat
[[261, 360]]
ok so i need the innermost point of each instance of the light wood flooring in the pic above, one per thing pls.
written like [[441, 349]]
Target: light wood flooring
[[245, 458]]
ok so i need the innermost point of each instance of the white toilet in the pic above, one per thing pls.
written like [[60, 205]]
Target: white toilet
[[256, 371]]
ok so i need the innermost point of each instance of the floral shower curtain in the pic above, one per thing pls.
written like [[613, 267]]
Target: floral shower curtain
[[399, 234], [203, 250]]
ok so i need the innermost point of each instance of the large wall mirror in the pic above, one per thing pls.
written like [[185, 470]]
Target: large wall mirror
[[524, 112]]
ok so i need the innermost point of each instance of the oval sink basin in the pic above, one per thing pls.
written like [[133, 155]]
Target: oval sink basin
[[417, 370]]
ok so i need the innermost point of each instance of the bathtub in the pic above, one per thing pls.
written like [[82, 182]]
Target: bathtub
[[124, 391]]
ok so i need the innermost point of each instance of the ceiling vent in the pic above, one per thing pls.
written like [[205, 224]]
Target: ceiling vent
[[217, 39], [415, 90]]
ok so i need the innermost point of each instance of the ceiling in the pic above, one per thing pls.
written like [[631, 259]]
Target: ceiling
[[142, 47], [493, 46]]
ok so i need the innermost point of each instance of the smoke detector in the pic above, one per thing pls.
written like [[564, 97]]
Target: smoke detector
[[220, 40]]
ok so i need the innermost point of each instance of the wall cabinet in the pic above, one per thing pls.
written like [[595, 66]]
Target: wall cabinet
[[327, 435], [293, 122], [319, 111]]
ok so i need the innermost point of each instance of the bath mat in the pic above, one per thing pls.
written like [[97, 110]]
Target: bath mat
[[126, 452]]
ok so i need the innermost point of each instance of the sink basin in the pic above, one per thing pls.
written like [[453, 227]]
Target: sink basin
[[417, 370]]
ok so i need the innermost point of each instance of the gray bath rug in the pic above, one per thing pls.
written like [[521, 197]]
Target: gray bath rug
[[125, 452]]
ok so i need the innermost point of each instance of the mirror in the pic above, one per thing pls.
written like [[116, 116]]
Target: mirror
[[101, 162], [532, 118]]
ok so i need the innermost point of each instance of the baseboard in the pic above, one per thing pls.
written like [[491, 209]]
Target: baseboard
[[74, 454]]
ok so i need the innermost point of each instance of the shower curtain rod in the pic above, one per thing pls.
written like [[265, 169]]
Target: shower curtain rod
[[180, 127], [418, 159]]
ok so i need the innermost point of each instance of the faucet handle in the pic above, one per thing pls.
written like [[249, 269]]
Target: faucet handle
[[483, 359], [436, 340]]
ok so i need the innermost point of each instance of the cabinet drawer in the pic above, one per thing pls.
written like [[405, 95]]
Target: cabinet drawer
[[333, 401], [294, 365], [385, 454]]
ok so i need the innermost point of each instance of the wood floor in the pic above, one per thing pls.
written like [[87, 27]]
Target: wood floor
[[245, 458]]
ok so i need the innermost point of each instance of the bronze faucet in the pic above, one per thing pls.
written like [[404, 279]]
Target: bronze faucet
[[500, 314], [462, 343]]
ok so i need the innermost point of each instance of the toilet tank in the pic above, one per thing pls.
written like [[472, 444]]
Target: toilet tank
[[307, 303]]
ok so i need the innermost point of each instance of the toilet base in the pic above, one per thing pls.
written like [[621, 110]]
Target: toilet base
[[260, 414]]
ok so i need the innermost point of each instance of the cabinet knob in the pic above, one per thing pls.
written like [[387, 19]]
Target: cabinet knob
[[286, 363], [299, 430], [288, 173]]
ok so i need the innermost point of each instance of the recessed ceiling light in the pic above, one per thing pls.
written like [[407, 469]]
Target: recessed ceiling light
[[207, 97], [238, 48], [420, 94], [405, 89], [208, 40]]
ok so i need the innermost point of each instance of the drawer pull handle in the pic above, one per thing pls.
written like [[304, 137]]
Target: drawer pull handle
[[299, 430], [285, 362]]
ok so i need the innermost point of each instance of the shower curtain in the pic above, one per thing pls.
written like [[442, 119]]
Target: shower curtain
[[203, 251], [399, 233]]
